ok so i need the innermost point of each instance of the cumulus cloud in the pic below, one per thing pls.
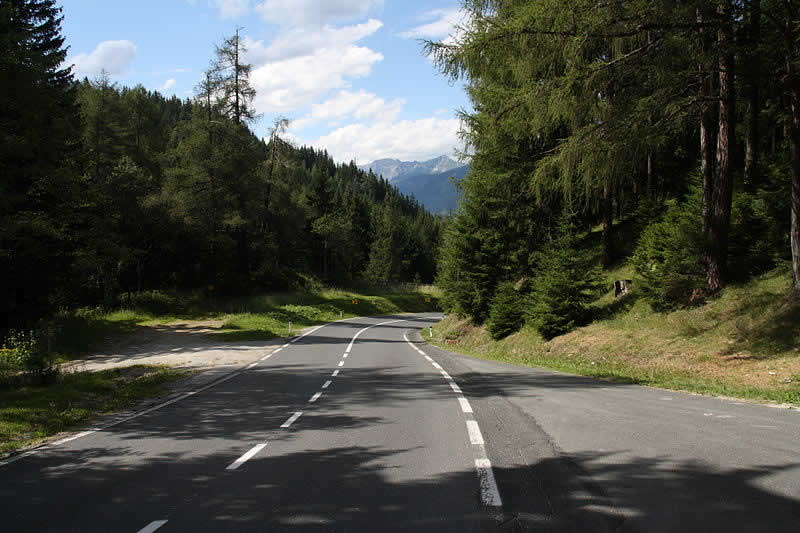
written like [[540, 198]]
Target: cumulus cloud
[[230, 9], [408, 140], [169, 84], [112, 56], [288, 75], [360, 105], [442, 23], [313, 12], [304, 41]]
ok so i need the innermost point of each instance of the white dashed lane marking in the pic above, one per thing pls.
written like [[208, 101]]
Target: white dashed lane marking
[[152, 526], [292, 419], [490, 494], [246, 457]]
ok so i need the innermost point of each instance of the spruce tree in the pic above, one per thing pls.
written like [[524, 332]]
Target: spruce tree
[[564, 284], [38, 122]]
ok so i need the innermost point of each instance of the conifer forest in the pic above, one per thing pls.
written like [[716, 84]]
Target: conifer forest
[[109, 190], [671, 127]]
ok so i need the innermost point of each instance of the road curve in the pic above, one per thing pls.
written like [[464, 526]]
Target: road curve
[[346, 429], [360, 426]]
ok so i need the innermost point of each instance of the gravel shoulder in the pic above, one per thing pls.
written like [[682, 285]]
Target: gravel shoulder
[[187, 345]]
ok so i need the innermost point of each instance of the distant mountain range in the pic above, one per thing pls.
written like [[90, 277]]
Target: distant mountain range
[[427, 181]]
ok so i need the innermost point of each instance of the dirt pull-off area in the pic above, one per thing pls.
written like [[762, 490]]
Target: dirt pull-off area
[[178, 344]]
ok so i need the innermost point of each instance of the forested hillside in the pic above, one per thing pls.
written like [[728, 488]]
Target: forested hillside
[[676, 122], [107, 190]]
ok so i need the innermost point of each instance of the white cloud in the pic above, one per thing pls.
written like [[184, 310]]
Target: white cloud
[[302, 66], [361, 105], [408, 140], [313, 12], [230, 9], [303, 41], [169, 84], [443, 23], [112, 56]]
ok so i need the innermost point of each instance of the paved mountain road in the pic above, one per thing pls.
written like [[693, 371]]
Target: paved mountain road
[[383, 433]]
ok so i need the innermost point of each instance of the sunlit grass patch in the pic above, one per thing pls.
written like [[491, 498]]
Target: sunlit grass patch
[[31, 413]]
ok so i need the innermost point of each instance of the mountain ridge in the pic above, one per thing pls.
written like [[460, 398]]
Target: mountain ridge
[[392, 169]]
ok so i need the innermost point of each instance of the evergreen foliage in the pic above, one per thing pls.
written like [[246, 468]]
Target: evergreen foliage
[[669, 257], [507, 313], [565, 283], [111, 191]]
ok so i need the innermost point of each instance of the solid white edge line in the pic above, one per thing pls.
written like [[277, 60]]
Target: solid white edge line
[[327, 384], [475, 435], [465, 406], [436, 365], [292, 419], [315, 397], [246, 457], [455, 387], [152, 526]]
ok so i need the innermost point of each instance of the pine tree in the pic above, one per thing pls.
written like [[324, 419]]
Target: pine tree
[[506, 315], [564, 284], [38, 122], [229, 80]]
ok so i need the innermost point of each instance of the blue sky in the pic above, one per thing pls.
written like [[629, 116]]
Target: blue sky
[[350, 74]]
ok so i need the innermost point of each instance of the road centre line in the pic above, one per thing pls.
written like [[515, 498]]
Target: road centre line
[[315, 397], [152, 526], [335, 373], [344, 356], [326, 384], [45, 447], [341, 363], [246, 457], [292, 419]]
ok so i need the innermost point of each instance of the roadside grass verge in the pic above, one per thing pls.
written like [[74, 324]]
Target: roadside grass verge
[[69, 335], [279, 315], [31, 413], [745, 344]]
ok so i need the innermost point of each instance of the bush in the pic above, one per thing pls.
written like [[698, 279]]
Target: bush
[[22, 352], [669, 258], [564, 285], [153, 302], [506, 315]]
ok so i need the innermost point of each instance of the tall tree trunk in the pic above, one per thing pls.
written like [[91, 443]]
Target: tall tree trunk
[[722, 194], [608, 223], [794, 146], [754, 100], [706, 129], [236, 110]]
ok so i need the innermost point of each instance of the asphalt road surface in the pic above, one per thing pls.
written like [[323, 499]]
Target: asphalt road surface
[[359, 426]]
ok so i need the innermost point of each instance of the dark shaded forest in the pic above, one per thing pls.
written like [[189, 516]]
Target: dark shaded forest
[[108, 190], [672, 125]]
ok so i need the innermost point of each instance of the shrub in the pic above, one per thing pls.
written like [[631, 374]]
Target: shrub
[[668, 257], [153, 302], [564, 285], [23, 353], [506, 315]]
